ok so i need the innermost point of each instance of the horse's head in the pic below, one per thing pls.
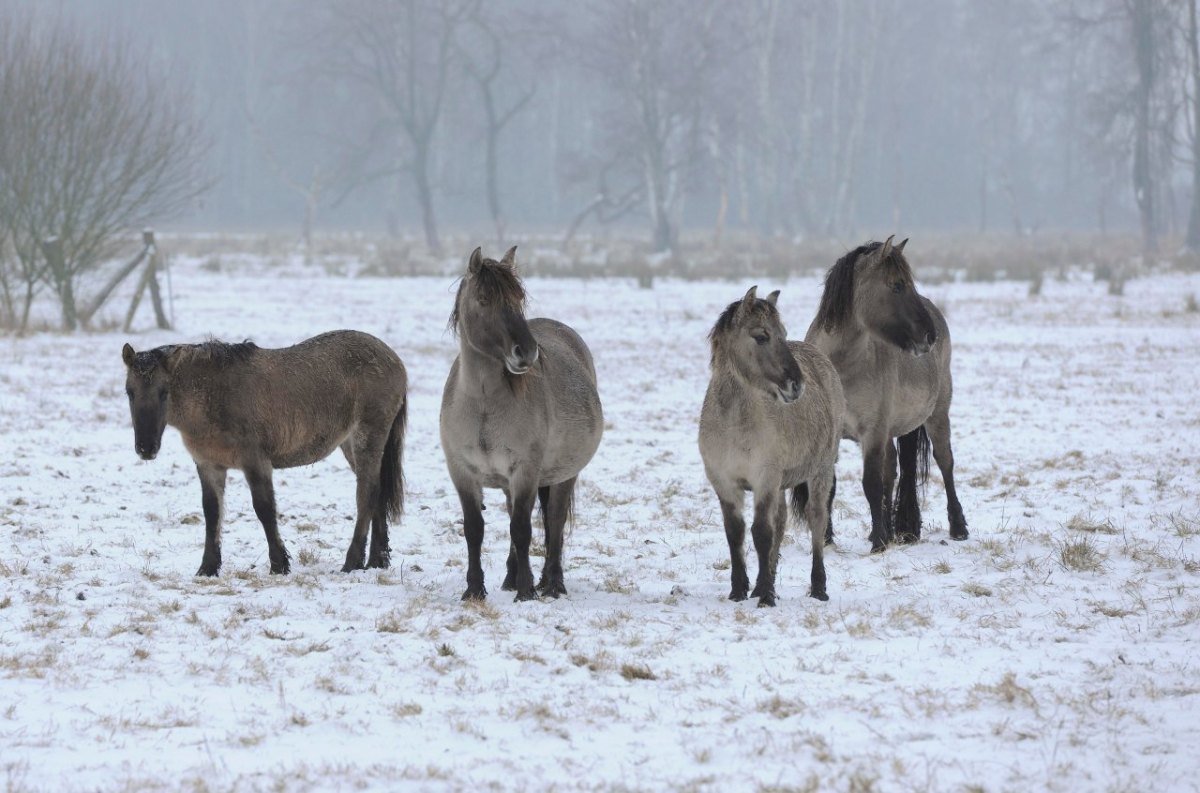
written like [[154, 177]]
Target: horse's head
[[489, 312], [873, 285], [147, 383], [750, 338]]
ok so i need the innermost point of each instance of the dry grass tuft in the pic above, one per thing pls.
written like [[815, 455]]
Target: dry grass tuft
[[1086, 523], [1080, 554], [633, 672]]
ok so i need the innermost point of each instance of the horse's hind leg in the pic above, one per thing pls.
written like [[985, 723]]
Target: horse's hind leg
[[816, 515], [556, 510], [907, 515], [938, 428], [365, 455], [262, 493], [212, 497], [829, 510], [875, 457]]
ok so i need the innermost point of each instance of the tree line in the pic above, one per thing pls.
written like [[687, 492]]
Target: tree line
[[774, 117]]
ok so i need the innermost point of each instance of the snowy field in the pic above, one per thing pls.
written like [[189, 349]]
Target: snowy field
[[1057, 649]]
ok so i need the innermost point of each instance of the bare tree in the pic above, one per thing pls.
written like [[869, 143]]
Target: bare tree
[[404, 53], [482, 53], [657, 60], [94, 143]]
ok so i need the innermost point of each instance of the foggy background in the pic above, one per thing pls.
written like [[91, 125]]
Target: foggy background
[[784, 117]]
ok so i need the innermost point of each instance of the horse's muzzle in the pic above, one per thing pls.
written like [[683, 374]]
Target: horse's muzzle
[[147, 453], [790, 391], [519, 361]]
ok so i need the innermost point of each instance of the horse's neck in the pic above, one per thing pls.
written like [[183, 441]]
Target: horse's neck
[[734, 394], [479, 374]]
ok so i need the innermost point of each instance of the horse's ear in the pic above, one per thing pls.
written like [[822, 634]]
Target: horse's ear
[[510, 258], [751, 296], [900, 247], [127, 354], [476, 262], [773, 298], [887, 248]]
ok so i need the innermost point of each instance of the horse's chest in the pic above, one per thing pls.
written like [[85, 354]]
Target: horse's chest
[[487, 450]]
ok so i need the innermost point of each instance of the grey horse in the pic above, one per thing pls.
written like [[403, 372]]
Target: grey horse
[[891, 347], [252, 409], [771, 422], [520, 412]]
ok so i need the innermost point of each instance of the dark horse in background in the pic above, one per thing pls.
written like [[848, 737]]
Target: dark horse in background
[[891, 347], [243, 407]]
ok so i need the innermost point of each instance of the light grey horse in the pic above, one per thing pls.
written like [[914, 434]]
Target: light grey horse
[[891, 347], [771, 422], [242, 407], [520, 412]]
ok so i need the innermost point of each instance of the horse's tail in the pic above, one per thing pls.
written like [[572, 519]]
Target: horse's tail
[[391, 471], [569, 518], [912, 451], [799, 501]]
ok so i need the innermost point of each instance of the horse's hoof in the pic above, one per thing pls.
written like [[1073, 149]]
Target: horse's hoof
[[552, 589], [907, 538], [737, 595], [960, 533], [350, 567], [529, 594], [379, 562], [878, 547], [283, 568], [766, 600], [209, 571], [820, 595], [474, 594]]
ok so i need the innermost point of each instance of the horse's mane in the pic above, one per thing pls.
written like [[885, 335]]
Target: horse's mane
[[494, 282], [837, 301], [725, 322], [222, 353]]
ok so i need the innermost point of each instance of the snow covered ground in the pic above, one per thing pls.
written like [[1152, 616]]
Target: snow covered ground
[[1058, 649]]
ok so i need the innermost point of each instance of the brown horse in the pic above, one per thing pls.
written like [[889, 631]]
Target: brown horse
[[243, 407], [771, 422], [891, 347], [520, 412]]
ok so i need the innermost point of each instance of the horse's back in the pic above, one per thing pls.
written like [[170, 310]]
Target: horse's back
[[295, 405], [566, 346], [569, 380]]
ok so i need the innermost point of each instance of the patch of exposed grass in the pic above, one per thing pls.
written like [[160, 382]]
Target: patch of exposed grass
[[780, 707], [1086, 523], [1080, 554], [633, 672], [1008, 691], [976, 590], [404, 710]]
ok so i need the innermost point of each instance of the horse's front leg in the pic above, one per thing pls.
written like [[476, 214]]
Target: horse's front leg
[[262, 493], [520, 527], [471, 498], [731, 498], [767, 534], [212, 498], [874, 459]]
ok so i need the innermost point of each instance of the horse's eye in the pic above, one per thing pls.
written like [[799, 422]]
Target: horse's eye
[[898, 287], [761, 338]]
